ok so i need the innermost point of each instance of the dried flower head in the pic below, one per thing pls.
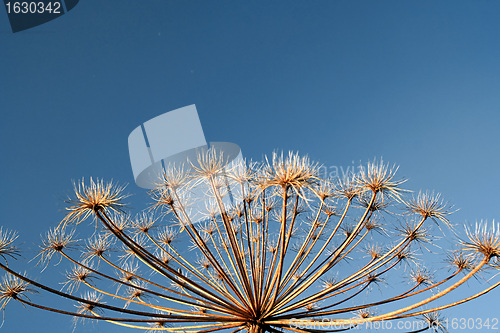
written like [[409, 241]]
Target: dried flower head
[[94, 197], [434, 321], [7, 249], [90, 308], [378, 177], [460, 261], [291, 171], [55, 241], [210, 164], [12, 288], [420, 276], [143, 223], [76, 276], [429, 205], [347, 187], [483, 240], [97, 247]]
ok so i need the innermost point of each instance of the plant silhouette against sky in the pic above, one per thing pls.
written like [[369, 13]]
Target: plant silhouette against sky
[[292, 250]]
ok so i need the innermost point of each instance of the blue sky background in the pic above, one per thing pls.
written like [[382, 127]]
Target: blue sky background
[[416, 82]]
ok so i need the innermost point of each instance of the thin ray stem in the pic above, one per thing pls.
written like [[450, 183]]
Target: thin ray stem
[[148, 258], [325, 267]]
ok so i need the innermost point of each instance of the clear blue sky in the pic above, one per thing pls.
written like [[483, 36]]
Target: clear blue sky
[[416, 82]]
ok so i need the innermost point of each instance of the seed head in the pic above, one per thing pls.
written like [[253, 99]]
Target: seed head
[[364, 313], [166, 236], [414, 233], [241, 173], [429, 205], [90, 309], [347, 187], [160, 324], [173, 178], [97, 247], [7, 249], [435, 321], [210, 164], [128, 274], [460, 261], [54, 242], [379, 205], [324, 190], [420, 276], [11, 287], [137, 293], [374, 251], [92, 198], [292, 171], [377, 177], [75, 277], [143, 223], [483, 240], [163, 200], [328, 282]]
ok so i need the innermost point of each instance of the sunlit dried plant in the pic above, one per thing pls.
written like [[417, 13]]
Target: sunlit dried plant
[[292, 252]]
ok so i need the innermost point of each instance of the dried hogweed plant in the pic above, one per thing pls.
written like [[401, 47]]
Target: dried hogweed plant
[[289, 251]]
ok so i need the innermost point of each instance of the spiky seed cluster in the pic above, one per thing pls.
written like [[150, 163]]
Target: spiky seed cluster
[[89, 308], [484, 240], [97, 247], [12, 288], [421, 276], [76, 276], [209, 165], [364, 314], [144, 223], [378, 206], [92, 197], [7, 248], [415, 233], [137, 292], [166, 236], [434, 321], [163, 199], [55, 241], [264, 262], [291, 171], [428, 204], [408, 256], [161, 324], [347, 187], [324, 190], [460, 261], [378, 177], [374, 251], [173, 178], [242, 174]]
